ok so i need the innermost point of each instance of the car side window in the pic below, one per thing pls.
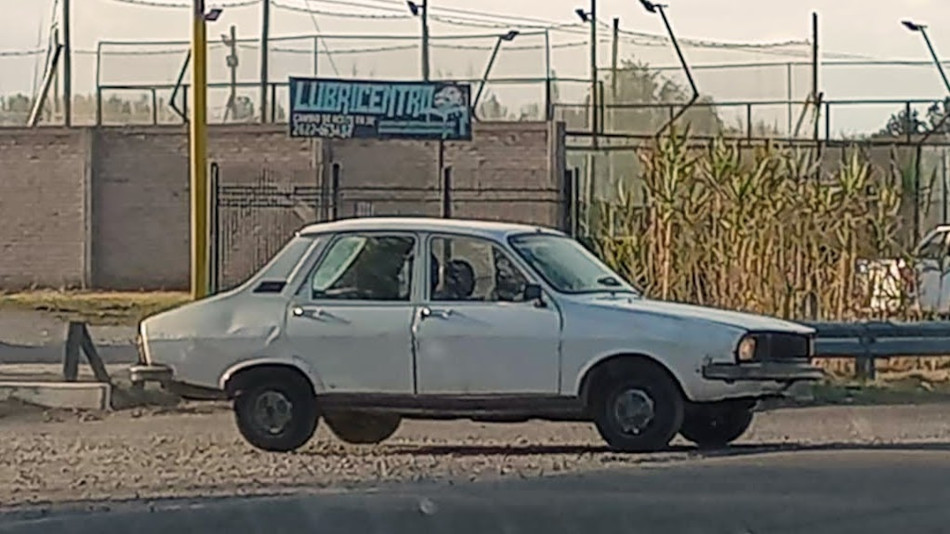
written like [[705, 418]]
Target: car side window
[[365, 267], [473, 269], [934, 248]]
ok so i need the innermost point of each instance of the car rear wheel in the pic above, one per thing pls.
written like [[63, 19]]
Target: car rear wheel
[[716, 425], [637, 407], [362, 428], [276, 410]]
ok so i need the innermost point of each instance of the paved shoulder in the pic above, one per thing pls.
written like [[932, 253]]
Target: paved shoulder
[[752, 490]]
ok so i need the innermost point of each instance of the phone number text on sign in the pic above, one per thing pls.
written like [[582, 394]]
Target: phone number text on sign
[[326, 125]]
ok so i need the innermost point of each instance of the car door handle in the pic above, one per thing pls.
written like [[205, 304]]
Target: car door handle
[[442, 313], [307, 311]]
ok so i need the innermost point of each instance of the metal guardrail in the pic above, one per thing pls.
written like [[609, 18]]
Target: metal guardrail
[[868, 341]]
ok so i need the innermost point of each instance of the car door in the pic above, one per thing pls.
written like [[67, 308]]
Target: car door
[[475, 333], [352, 319], [929, 264]]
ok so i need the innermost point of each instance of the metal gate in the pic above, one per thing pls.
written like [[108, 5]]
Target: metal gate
[[250, 222]]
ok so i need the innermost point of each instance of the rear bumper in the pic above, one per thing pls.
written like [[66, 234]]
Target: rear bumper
[[150, 373], [763, 371]]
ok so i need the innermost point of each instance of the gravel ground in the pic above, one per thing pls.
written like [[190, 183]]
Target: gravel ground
[[194, 449]]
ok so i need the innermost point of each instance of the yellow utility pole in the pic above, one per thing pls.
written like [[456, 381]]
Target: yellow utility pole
[[198, 152]]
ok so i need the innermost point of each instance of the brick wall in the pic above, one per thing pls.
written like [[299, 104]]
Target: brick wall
[[108, 207], [43, 207]]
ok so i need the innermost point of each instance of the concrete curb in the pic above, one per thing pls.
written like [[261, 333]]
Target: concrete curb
[[78, 395]]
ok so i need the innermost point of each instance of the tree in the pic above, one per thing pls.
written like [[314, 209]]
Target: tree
[[901, 124], [936, 113], [530, 112], [243, 109], [637, 101], [490, 109]]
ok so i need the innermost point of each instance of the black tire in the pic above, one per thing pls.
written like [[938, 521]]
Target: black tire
[[362, 428], [276, 410], [716, 425], [648, 385]]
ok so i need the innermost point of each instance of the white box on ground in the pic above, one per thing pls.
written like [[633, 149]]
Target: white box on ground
[[79, 395]]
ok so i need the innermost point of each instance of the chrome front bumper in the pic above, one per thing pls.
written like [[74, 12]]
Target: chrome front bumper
[[150, 373], [763, 372]]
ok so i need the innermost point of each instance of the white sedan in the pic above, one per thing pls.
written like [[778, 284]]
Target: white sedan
[[501, 322]]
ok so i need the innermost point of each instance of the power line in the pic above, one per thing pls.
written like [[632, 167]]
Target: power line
[[494, 20], [340, 14], [326, 48], [482, 14], [484, 19], [179, 5], [344, 51], [22, 53], [345, 3]]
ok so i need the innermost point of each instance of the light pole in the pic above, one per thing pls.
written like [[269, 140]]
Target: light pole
[[265, 55], [922, 29], [198, 138], [230, 40], [422, 11], [591, 18], [510, 36], [658, 8]]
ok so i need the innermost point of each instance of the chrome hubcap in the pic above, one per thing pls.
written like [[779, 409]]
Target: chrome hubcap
[[273, 411], [633, 411]]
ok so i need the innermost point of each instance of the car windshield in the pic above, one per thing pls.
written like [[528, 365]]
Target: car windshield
[[567, 265], [282, 265]]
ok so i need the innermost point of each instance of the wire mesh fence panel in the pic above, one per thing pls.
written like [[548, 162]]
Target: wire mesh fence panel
[[256, 208]]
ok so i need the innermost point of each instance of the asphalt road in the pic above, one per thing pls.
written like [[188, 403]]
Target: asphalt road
[[863, 489]]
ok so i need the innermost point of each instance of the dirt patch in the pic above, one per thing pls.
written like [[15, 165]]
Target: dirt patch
[[112, 308]]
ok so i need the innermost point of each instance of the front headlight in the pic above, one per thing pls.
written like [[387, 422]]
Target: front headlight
[[745, 352]]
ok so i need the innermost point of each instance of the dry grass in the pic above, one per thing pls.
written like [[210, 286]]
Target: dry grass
[[752, 230], [106, 308], [909, 389], [760, 230]]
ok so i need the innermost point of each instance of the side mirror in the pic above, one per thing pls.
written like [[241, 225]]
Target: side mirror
[[532, 292]]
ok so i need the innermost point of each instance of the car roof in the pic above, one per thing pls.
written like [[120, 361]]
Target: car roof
[[494, 229]]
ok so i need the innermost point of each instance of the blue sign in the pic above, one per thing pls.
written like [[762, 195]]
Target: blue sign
[[366, 109]]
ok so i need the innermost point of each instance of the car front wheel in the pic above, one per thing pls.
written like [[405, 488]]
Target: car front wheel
[[636, 406], [362, 428], [716, 425], [276, 411]]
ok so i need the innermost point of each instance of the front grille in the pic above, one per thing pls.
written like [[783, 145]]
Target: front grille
[[782, 346]]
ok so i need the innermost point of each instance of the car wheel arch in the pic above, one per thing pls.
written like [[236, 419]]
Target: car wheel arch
[[588, 377], [233, 378]]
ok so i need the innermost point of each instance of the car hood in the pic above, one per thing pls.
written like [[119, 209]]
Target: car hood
[[747, 321]]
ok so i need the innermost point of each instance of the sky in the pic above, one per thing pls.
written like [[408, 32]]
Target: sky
[[849, 29]]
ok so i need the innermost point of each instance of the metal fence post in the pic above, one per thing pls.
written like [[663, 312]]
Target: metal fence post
[[567, 192], [98, 106], [864, 364], [154, 106], [447, 192], [273, 102], [214, 278], [335, 192]]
